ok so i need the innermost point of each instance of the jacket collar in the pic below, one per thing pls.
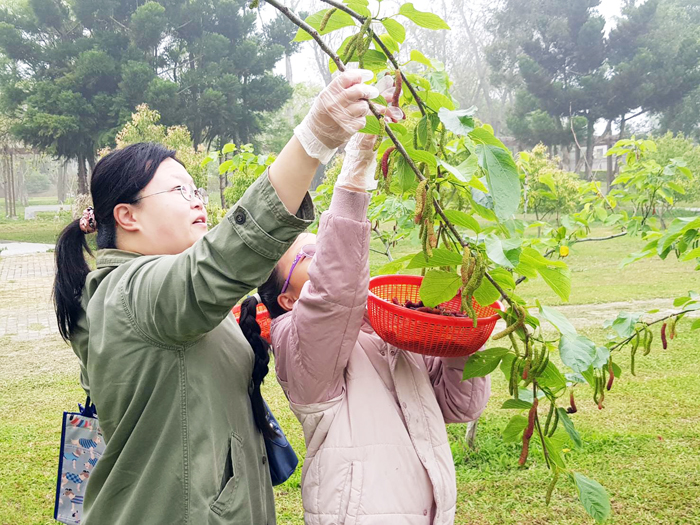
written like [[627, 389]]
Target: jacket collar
[[113, 258]]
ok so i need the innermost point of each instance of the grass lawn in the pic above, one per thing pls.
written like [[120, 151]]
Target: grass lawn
[[644, 447], [44, 229]]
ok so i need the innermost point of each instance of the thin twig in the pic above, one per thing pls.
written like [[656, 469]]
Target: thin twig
[[628, 339], [357, 16], [314, 34], [573, 132], [306, 27], [385, 243], [539, 427]]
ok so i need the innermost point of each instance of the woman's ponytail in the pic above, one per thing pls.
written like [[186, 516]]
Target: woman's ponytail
[[261, 348], [71, 271]]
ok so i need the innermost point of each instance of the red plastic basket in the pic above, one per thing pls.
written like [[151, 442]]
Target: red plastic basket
[[261, 315], [422, 333]]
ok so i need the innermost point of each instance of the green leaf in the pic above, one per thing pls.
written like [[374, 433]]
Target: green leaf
[[359, 6], [483, 363], [518, 404], [593, 497], [441, 257], [390, 43], [417, 56], [372, 126], [459, 122], [554, 451], [439, 287], [559, 280], [514, 429], [228, 148], [486, 294], [624, 324], [224, 166], [692, 254], [552, 378], [504, 278], [395, 29], [569, 427], [404, 179], [422, 19], [419, 155], [338, 20], [559, 321], [374, 60], [502, 179], [435, 100], [577, 352], [463, 220], [695, 325], [506, 363], [484, 136], [676, 187], [494, 250], [395, 266]]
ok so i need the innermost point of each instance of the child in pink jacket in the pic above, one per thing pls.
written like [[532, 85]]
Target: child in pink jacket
[[373, 415]]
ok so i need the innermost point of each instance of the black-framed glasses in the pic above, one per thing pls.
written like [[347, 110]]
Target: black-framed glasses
[[187, 192]]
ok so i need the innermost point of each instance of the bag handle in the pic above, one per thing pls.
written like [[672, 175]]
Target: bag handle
[[88, 410]]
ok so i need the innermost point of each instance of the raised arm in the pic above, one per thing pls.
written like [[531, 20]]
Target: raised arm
[[313, 342], [460, 401], [174, 299]]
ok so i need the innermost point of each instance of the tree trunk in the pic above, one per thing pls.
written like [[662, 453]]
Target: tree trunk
[[12, 178], [589, 148], [82, 175], [623, 121], [222, 177], [21, 186], [5, 185], [61, 182], [577, 159], [322, 64], [12, 212], [91, 163], [609, 142]]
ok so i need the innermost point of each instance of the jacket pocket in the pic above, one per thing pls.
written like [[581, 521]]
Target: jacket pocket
[[231, 475], [351, 496]]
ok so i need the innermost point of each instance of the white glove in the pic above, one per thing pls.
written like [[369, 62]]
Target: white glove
[[359, 164], [337, 114], [360, 161]]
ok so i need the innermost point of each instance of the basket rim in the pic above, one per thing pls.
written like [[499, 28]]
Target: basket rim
[[416, 280]]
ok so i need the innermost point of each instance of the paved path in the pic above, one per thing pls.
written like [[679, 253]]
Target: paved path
[[31, 211], [8, 248], [26, 310]]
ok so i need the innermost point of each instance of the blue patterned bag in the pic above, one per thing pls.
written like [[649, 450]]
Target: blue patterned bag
[[81, 446]]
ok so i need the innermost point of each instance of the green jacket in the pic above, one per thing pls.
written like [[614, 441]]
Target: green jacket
[[169, 371]]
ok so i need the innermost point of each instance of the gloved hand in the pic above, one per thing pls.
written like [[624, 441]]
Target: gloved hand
[[360, 161], [336, 115]]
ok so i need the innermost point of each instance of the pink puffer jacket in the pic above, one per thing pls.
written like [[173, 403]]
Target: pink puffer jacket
[[373, 415]]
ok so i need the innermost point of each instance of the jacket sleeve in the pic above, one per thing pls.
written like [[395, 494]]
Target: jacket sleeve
[[460, 401], [174, 299], [312, 343]]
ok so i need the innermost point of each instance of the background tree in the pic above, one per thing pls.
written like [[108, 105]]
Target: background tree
[[570, 68], [76, 72]]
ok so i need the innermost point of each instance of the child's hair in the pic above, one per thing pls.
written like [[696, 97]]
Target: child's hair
[[268, 292], [117, 178]]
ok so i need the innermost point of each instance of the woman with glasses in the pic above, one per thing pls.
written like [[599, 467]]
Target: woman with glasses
[[175, 383], [373, 415]]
